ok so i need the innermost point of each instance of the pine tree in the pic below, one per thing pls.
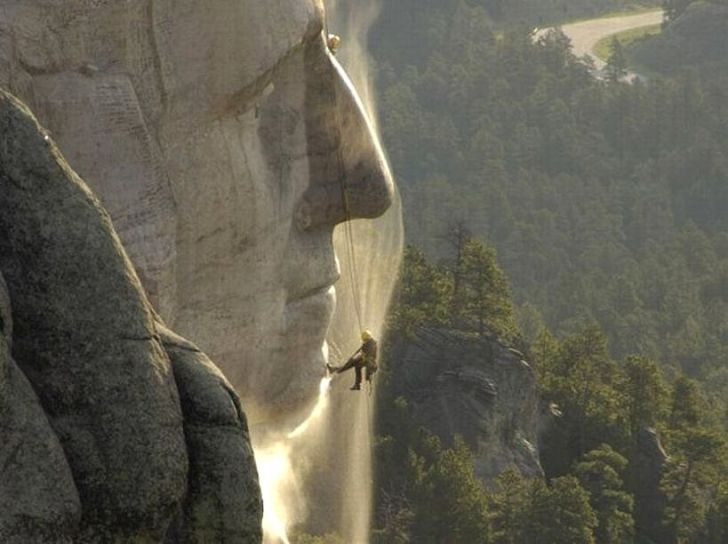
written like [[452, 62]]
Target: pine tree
[[457, 236], [423, 296], [533, 512], [509, 509], [645, 393], [559, 513], [486, 293], [692, 469], [584, 381], [616, 67], [450, 503], [600, 473], [674, 8]]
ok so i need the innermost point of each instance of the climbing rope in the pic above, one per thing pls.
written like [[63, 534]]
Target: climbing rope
[[353, 275], [351, 253], [354, 279], [353, 271]]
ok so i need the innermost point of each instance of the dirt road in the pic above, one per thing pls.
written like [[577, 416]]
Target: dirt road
[[584, 35]]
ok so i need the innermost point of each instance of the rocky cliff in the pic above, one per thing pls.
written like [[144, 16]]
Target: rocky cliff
[[473, 386], [219, 136], [112, 428], [226, 143]]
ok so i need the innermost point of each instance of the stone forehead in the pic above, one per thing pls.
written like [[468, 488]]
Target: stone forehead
[[252, 36]]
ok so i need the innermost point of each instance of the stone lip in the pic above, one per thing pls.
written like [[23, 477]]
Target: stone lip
[[107, 423], [475, 387]]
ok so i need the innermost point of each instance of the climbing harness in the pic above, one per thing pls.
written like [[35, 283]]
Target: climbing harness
[[353, 275]]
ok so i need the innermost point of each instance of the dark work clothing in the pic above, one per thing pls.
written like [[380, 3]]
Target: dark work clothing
[[357, 363], [365, 357], [369, 351]]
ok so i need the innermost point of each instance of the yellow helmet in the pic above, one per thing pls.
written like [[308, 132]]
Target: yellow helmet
[[366, 335], [333, 42]]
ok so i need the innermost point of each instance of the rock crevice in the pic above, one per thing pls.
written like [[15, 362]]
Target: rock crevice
[[116, 429], [475, 387]]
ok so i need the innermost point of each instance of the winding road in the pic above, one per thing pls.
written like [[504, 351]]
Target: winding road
[[584, 35]]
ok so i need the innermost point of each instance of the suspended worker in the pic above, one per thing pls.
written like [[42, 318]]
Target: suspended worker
[[365, 357], [333, 42]]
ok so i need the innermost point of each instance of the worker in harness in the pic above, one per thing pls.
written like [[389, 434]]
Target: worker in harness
[[365, 357]]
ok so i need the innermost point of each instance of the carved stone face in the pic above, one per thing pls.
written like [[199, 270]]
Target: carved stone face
[[222, 137]]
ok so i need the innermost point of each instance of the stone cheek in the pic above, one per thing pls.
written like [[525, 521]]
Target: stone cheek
[[123, 86], [205, 129], [169, 111]]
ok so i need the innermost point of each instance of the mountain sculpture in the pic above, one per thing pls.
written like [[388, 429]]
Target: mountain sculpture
[[112, 428], [220, 138]]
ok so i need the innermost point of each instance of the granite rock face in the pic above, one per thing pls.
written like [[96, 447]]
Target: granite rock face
[[223, 501], [220, 136], [95, 440], [38, 498], [474, 387]]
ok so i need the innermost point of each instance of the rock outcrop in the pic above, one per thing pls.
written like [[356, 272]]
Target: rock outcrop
[[38, 497], [474, 387], [102, 442], [223, 500]]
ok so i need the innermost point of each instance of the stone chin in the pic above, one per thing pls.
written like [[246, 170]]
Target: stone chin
[[294, 372]]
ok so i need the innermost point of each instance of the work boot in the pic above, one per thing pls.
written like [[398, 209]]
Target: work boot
[[355, 387]]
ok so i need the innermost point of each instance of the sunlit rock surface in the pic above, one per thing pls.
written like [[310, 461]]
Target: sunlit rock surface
[[474, 387], [99, 419], [218, 136]]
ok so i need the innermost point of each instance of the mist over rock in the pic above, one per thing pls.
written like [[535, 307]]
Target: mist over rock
[[97, 445], [475, 387], [217, 137]]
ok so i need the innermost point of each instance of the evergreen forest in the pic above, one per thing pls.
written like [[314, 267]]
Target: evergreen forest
[[583, 221]]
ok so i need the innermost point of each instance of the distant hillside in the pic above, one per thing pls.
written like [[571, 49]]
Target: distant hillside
[[408, 30], [697, 41], [606, 202], [555, 11]]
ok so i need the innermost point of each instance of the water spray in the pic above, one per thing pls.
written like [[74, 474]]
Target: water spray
[[369, 253], [283, 499], [318, 409]]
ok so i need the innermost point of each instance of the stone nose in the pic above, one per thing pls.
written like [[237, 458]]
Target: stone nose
[[350, 177]]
